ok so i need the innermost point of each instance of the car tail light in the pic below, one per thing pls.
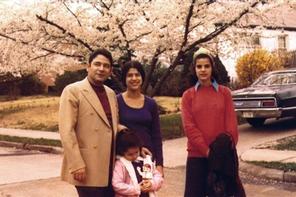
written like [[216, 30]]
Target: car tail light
[[268, 103]]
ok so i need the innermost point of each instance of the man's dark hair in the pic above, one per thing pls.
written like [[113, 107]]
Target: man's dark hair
[[126, 139], [132, 64], [103, 52]]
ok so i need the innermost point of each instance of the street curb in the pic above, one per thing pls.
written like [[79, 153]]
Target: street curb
[[41, 148], [268, 173]]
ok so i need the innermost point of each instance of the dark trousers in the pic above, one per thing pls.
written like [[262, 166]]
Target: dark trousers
[[196, 177], [94, 191]]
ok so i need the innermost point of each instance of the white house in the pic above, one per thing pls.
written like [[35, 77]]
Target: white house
[[274, 30]]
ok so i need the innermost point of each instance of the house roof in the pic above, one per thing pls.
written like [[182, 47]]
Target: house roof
[[280, 16]]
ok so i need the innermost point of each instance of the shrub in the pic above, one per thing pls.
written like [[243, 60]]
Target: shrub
[[171, 126], [68, 77], [31, 85], [251, 65]]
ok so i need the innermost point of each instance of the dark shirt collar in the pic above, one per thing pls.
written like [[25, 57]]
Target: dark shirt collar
[[97, 87], [214, 84]]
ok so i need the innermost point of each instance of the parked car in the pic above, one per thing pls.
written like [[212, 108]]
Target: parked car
[[272, 95]]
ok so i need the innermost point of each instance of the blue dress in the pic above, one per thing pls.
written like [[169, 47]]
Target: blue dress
[[145, 122]]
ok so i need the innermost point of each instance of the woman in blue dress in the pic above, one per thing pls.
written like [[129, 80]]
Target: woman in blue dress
[[139, 112]]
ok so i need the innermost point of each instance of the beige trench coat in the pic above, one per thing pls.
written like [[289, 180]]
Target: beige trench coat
[[86, 134]]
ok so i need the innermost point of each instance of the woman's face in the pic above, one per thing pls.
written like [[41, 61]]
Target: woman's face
[[133, 79], [203, 70]]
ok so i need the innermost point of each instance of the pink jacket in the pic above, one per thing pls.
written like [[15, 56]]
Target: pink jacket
[[124, 186]]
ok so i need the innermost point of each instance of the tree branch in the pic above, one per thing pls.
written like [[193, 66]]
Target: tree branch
[[42, 48], [40, 56], [98, 9], [152, 67], [64, 31], [210, 36], [140, 36], [127, 43], [103, 4], [222, 28], [187, 24], [72, 13]]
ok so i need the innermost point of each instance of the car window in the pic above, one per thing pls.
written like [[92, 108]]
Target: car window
[[277, 79]]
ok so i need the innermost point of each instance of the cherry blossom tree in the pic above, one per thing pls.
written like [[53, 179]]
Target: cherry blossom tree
[[55, 34]]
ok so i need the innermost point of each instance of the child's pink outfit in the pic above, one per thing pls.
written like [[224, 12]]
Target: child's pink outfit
[[125, 183]]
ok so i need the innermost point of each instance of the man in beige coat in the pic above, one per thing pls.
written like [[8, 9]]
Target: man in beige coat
[[88, 120]]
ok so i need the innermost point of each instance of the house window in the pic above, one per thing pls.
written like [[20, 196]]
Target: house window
[[282, 42], [256, 40]]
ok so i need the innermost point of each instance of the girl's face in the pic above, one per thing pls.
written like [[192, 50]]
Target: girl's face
[[203, 70], [132, 153], [133, 79]]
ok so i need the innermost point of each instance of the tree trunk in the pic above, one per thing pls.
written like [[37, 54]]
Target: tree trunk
[[13, 90]]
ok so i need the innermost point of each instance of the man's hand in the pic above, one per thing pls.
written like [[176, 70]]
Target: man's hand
[[145, 151], [80, 175], [121, 127]]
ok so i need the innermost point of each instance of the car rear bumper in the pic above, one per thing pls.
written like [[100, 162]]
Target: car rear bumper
[[259, 113], [265, 112]]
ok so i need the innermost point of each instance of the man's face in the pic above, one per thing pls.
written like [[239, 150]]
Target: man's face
[[99, 69]]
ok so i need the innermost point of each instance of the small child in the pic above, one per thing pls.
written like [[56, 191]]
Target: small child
[[127, 179]]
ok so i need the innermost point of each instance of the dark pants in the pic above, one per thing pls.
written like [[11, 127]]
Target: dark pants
[[94, 191], [196, 177]]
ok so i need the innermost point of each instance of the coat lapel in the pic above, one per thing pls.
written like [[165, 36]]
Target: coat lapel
[[94, 101], [113, 107]]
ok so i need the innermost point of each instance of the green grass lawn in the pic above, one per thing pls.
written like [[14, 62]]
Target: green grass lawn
[[288, 143], [36, 141], [171, 126], [275, 165], [41, 113]]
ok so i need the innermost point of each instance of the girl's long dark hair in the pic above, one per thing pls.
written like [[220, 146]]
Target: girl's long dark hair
[[126, 139]]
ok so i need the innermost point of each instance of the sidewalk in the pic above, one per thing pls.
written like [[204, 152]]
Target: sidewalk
[[174, 150], [175, 154], [30, 133], [268, 155]]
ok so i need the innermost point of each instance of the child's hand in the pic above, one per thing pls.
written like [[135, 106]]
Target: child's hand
[[146, 186]]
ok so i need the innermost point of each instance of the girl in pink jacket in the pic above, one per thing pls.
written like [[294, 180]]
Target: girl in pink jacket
[[131, 178]]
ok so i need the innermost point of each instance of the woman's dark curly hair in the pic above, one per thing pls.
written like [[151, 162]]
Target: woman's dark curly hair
[[132, 64]]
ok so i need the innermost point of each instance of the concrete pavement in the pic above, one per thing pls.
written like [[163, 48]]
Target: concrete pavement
[[172, 187], [175, 150], [30, 133], [284, 156], [18, 165]]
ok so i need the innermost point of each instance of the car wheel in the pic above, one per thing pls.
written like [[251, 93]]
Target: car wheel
[[256, 122]]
